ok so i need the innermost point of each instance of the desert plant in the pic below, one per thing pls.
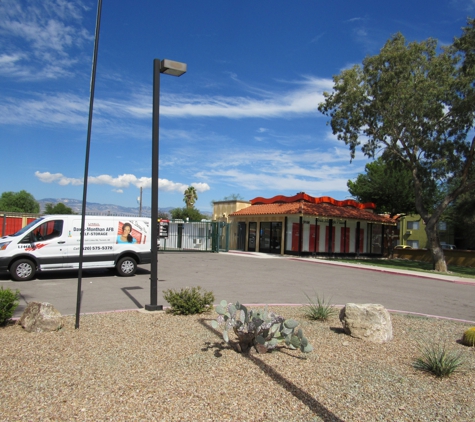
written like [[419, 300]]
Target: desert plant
[[189, 300], [468, 337], [262, 329], [9, 301], [435, 358], [318, 309]]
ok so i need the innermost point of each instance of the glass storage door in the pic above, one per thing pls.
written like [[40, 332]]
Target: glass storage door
[[251, 246]]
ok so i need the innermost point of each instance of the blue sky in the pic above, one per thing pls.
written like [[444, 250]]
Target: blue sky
[[243, 119]]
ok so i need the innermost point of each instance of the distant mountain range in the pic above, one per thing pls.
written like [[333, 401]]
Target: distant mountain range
[[93, 207]]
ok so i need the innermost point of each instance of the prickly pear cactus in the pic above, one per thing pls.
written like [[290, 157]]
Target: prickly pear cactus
[[469, 337], [262, 329]]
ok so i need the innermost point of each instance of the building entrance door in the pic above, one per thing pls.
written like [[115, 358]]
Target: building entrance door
[[241, 240], [270, 235], [252, 237]]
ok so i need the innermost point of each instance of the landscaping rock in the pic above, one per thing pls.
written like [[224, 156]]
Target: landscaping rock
[[369, 322], [40, 317]]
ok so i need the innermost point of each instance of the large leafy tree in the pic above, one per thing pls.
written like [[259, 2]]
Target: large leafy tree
[[19, 202], [190, 197], [389, 187], [416, 105], [183, 213], [59, 208]]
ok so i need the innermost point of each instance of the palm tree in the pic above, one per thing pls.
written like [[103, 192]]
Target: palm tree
[[190, 197]]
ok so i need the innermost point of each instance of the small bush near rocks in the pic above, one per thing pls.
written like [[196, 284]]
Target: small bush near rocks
[[318, 309], [435, 358], [188, 301], [9, 301]]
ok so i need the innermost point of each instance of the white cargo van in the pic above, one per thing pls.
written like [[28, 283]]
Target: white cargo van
[[52, 243]]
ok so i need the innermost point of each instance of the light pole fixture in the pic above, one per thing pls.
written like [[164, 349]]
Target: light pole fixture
[[173, 68]]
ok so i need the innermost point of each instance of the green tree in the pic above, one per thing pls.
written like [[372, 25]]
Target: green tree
[[390, 188], [19, 202], [191, 196], [183, 213], [59, 208], [461, 215], [417, 106], [163, 215]]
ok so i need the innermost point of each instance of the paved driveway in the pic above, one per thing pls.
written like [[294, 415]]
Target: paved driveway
[[252, 279]]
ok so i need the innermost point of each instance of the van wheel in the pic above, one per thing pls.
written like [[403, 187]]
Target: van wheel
[[23, 270], [126, 266]]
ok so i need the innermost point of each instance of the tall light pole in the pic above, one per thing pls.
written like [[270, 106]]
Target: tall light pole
[[86, 165], [168, 67]]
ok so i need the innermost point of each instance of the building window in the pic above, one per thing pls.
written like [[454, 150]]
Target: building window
[[413, 244], [413, 225], [442, 226]]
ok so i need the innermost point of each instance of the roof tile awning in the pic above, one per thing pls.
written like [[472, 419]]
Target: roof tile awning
[[305, 205]]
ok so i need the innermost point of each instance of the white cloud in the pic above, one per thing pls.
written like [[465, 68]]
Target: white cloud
[[44, 37], [282, 182], [466, 6], [201, 187], [301, 101], [9, 59], [58, 178], [317, 38], [315, 171], [69, 109], [120, 182], [355, 19]]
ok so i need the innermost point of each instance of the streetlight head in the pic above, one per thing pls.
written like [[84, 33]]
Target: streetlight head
[[170, 67]]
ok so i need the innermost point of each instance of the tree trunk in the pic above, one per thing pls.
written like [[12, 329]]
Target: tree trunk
[[437, 253]]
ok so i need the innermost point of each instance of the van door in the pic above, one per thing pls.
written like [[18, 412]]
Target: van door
[[99, 243], [47, 243]]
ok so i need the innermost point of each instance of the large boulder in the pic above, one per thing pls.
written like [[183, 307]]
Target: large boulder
[[369, 322], [39, 317]]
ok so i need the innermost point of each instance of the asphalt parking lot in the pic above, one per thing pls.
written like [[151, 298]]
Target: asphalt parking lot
[[251, 279]]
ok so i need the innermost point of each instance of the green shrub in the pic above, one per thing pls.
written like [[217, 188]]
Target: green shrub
[[438, 360], [319, 310], [9, 301], [188, 301], [469, 337]]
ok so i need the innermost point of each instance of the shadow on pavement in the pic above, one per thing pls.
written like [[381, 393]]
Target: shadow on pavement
[[126, 291], [71, 274]]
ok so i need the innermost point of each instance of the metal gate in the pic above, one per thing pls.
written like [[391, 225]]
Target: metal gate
[[203, 236]]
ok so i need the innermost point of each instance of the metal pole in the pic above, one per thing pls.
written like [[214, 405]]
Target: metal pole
[[153, 306], [86, 166]]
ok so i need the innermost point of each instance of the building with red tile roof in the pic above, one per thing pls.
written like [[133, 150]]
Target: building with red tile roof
[[305, 225]]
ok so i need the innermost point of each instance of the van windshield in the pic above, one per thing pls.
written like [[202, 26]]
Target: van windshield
[[28, 227]]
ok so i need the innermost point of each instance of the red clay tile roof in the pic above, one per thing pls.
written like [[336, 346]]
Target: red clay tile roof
[[302, 196], [309, 209]]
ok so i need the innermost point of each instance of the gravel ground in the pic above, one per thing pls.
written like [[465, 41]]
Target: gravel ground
[[127, 366]]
